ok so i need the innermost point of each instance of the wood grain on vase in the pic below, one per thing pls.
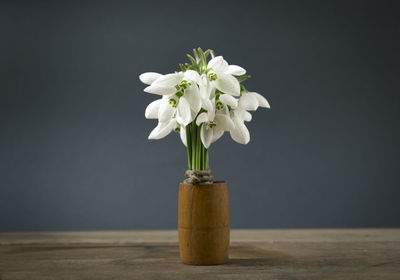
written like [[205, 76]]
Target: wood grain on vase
[[203, 223]]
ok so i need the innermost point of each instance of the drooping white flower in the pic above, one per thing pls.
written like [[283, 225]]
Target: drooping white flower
[[213, 125], [221, 75], [181, 100], [239, 133], [165, 84], [171, 112], [248, 101], [168, 84]]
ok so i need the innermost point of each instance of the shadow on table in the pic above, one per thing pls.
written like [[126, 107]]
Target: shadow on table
[[253, 256]]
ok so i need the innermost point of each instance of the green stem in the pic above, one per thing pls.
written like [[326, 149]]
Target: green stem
[[189, 146], [193, 136], [204, 150], [196, 152], [199, 145], [202, 157], [206, 159]]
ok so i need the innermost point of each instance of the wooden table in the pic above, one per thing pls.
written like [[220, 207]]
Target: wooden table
[[255, 254]]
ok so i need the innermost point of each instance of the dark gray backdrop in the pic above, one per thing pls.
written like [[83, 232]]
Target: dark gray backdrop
[[74, 153]]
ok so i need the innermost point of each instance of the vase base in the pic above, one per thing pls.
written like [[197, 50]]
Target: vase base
[[206, 264]]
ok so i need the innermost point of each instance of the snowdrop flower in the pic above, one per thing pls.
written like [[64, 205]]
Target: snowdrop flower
[[180, 102], [249, 101], [221, 75], [171, 112], [170, 83], [167, 123], [213, 125]]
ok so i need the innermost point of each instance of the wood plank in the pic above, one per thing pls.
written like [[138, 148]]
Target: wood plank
[[237, 235], [255, 254]]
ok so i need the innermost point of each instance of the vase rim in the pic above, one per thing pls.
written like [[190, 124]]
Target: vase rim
[[214, 183]]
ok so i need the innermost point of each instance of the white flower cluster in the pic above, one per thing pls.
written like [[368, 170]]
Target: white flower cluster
[[210, 95]]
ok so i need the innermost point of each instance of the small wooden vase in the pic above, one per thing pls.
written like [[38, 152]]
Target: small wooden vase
[[203, 223]]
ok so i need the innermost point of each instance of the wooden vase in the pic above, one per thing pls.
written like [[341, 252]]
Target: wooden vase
[[203, 223]]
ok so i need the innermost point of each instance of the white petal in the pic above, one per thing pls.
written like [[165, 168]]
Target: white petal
[[183, 135], [235, 70], [183, 115], [206, 135], [228, 100], [211, 113], [207, 105], [262, 102], [243, 115], [160, 90], [149, 77], [240, 133], [218, 64], [248, 102], [212, 90], [204, 93], [169, 80], [205, 88], [193, 115], [152, 109], [192, 75], [162, 130], [217, 134], [166, 111], [224, 122], [227, 84], [193, 97], [203, 117]]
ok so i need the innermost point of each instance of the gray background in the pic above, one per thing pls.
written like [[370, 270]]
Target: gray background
[[74, 153]]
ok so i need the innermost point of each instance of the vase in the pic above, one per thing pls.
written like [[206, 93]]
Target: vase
[[203, 223]]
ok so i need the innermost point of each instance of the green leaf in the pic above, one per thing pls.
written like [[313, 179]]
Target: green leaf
[[183, 68], [191, 58], [202, 57], [196, 55], [212, 53], [207, 53], [243, 78], [242, 88]]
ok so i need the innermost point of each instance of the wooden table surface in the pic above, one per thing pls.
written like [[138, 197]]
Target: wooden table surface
[[254, 254]]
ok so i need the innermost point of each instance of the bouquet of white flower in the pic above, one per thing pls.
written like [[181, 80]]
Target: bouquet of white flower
[[201, 102]]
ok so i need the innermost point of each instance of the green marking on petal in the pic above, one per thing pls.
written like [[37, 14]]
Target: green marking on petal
[[179, 94], [219, 105], [212, 76], [173, 102], [212, 124]]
